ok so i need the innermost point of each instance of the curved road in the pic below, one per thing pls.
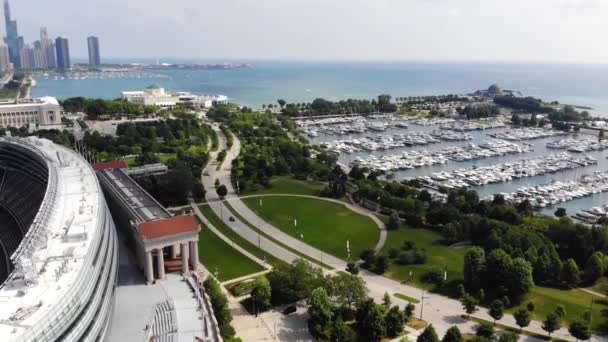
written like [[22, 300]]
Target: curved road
[[442, 312]]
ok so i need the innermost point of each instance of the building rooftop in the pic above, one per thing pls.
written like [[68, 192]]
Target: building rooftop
[[28, 102], [141, 205], [166, 227], [115, 164]]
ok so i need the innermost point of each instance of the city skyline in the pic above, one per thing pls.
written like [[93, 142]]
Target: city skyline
[[549, 30]]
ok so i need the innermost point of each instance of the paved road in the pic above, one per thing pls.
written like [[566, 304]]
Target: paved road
[[441, 311]]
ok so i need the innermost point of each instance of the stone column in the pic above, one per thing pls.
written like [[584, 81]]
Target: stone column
[[184, 250], [148, 268], [193, 255], [161, 263], [174, 249]]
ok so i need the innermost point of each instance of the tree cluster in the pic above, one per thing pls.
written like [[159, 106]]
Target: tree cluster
[[96, 108]]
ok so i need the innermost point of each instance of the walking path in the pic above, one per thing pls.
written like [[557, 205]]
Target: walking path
[[442, 312]]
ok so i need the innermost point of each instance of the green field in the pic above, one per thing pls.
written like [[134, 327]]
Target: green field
[[287, 185], [234, 236], [277, 242], [164, 158], [576, 302], [324, 225], [217, 255], [437, 254]]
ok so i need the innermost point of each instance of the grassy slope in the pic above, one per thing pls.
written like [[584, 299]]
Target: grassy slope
[[325, 225], [576, 302], [234, 236], [437, 254], [216, 254]]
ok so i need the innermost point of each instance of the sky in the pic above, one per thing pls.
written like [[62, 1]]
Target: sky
[[422, 30]]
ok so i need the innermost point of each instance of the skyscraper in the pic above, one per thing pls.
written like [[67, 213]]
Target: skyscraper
[[13, 40], [48, 49], [63, 53], [5, 63], [94, 57]]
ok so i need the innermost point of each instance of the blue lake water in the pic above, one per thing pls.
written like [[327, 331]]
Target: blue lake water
[[268, 81]]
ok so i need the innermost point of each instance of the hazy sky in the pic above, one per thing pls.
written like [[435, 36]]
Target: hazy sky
[[529, 30]]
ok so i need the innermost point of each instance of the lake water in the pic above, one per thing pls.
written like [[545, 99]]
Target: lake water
[[268, 81], [539, 150]]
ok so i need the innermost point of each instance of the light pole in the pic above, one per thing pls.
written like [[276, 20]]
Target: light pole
[[421, 304]]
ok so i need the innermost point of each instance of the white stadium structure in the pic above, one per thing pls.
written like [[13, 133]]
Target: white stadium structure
[[58, 245]]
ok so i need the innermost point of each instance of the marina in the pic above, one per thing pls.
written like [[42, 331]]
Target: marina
[[412, 159], [537, 148], [526, 134], [556, 192], [499, 173], [579, 145]]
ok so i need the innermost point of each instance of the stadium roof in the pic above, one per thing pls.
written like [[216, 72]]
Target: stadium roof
[[170, 226]]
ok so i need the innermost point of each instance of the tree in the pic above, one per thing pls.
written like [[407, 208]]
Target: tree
[[345, 290], [394, 321], [530, 306], [452, 335], [522, 318], [381, 264], [428, 335], [320, 313], [474, 267], [147, 158], [594, 267], [373, 325], [222, 191], [551, 323], [485, 329], [409, 310], [515, 120], [579, 330], [352, 268], [496, 310], [261, 293], [340, 332], [570, 273], [281, 102], [386, 300], [560, 311], [469, 304], [560, 212], [508, 337], [369, 258], [393, 221]]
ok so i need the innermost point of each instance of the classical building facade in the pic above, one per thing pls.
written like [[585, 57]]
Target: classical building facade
[[162, 242], [39, 111]]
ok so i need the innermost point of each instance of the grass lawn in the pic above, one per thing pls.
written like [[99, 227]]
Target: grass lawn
[[216, 254], [164, 158], [600, 286], [234, 236], [437, 254], [576, 302], [287, 185], [277, 242], [324, 225]]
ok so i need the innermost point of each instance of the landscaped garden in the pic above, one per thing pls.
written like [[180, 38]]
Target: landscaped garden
[[322, 224]]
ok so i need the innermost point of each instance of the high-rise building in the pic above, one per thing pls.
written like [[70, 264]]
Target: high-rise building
[[13, 40], [94, 56], [5, 63], [62, 48], [26, 57], [48, 49]]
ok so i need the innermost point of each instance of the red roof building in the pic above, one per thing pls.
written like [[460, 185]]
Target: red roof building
[[115, 164], [168, 226]]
